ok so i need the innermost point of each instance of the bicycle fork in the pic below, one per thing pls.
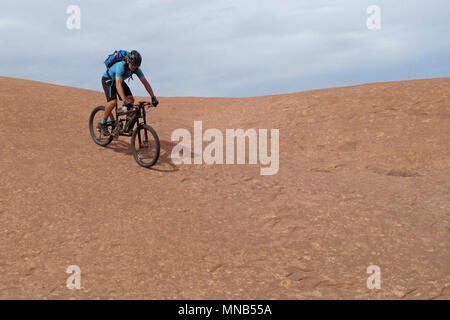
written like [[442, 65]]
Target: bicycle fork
[[143, 144]]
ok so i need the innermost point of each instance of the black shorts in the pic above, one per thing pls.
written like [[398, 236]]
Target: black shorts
[[110, 90]]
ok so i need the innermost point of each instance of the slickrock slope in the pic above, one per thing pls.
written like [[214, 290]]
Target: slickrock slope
[[364, 179]]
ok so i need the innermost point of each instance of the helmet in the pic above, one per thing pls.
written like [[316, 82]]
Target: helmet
[[134, 58]]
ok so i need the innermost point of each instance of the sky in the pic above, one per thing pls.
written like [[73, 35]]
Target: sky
[[233, 48]]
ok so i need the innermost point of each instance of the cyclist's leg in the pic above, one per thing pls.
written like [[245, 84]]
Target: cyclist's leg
[[130, 98], [127, 91], [111, 98], [109, 107]]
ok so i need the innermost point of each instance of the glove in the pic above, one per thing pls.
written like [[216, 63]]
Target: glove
[[155, 101], [127, 104]]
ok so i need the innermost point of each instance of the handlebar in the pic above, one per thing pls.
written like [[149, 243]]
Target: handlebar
[[142, 104], [145, 103]]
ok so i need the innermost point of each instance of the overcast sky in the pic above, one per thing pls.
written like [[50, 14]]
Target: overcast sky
[[233, 48]]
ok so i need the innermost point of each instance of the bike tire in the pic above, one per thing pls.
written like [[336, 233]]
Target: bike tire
[[154, 159], [93, 126]]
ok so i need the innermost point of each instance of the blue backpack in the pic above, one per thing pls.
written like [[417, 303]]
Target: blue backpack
[[115, 57]]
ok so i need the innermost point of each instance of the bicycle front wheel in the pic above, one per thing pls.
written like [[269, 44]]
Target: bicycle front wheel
[[145, 145]]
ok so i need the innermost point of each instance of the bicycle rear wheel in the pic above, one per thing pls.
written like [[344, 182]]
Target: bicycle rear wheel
[[96, 134], [145, 145]]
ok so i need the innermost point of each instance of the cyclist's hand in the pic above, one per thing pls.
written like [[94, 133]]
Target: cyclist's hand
[[128, 104], [155, 101]]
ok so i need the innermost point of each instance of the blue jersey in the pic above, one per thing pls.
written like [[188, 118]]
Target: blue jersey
[[119, 70]]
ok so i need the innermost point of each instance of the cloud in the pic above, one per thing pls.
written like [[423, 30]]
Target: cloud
[[227, 48]]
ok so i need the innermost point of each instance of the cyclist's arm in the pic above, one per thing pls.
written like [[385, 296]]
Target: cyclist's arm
[[120, 88], [147, 86]]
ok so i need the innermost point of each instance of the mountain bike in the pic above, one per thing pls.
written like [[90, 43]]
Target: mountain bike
[[145, 144]]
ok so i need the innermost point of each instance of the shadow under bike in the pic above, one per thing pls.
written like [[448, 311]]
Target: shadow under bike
[[145, 144]]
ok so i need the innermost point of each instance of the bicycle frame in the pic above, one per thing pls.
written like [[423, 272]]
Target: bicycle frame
[[137, 114]]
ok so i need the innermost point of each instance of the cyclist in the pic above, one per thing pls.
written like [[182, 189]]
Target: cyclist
[[114, 85]]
